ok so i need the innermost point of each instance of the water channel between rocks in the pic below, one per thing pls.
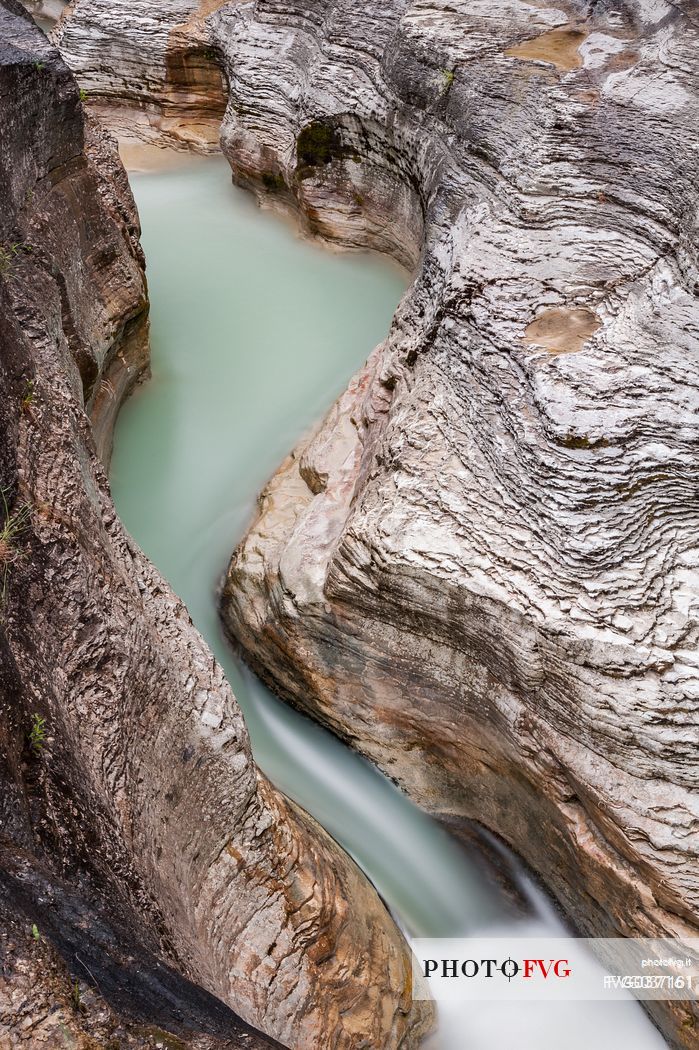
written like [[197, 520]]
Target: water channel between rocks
[[254, 333]]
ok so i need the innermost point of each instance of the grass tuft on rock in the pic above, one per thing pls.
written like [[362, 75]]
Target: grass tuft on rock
[[14, 525]]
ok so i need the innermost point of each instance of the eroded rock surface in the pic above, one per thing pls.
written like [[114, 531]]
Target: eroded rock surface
[[149, 70], [482, 570], [139, 786], [72, 978], [45, 12]]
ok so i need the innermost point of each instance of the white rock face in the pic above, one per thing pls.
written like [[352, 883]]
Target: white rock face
[[492, 591], [46, 12], [148, 69], [483, 570]]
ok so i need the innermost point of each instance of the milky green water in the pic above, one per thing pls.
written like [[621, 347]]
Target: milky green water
[[254, 333]]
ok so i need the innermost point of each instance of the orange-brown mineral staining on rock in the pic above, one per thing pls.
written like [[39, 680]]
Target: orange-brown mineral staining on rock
[[562, 330], [558, 47]]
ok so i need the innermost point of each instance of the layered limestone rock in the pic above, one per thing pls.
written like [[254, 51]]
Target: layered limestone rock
[[482, 570], [45, 12], [137, 831], [71, 978], [149, 70]]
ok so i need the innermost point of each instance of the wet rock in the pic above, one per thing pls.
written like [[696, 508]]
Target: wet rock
[[125, 764], [150, 74], [71, 978], [491, 588], [482, 570]]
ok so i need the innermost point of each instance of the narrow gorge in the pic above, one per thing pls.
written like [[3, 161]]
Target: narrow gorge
[[140, 843], [478, 571]]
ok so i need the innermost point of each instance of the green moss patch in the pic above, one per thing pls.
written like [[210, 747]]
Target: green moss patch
[[273, 182], [318, 143]]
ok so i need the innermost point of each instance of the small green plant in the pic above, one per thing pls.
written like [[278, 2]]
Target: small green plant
[[75, 996], [319, 143], [83, 95], [11, 531], [28, 397], [8, 254], [37, 734], [35, 932], [210, 54], [448, 77], [273, 181], [39, 66]]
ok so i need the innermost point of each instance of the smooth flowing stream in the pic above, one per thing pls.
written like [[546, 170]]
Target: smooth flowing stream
[[254, 333]]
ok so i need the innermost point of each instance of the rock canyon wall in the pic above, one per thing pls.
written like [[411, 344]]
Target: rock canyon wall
[[482, 570], [150, 71], [138, 838]]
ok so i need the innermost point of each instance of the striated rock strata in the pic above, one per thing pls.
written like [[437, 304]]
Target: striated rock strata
[[135, 829], [45, 12], [482, 570], [149, 70]]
